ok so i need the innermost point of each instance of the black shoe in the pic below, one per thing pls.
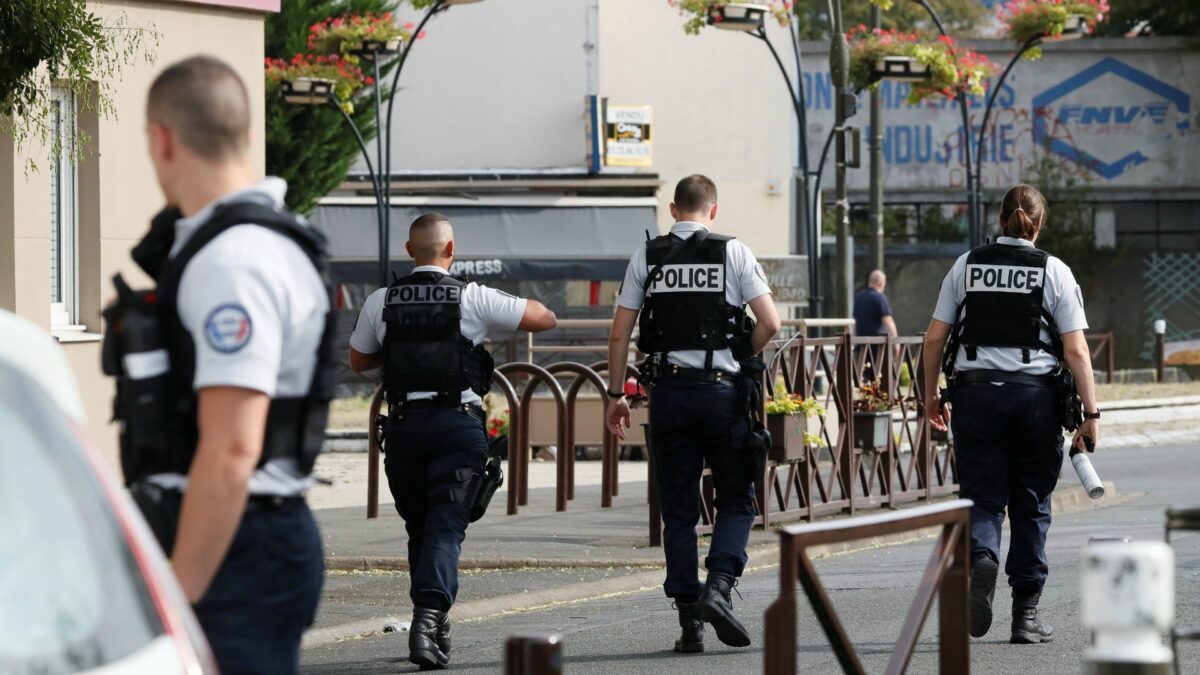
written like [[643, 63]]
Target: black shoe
[[423, 648], [443, 634], [692, 639], [983, 589], [1027, 628], [715, 607]]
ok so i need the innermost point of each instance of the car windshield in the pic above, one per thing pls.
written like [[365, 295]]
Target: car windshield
[[71, 593]]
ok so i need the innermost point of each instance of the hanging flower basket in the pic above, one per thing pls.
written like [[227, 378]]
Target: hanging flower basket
[[358, 35], [1024, 20], [944, 67], [730, 14], [308, 79]]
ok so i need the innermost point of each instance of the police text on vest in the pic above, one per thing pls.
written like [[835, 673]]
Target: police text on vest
[[1003, 279], [689, 279], [423, 294]]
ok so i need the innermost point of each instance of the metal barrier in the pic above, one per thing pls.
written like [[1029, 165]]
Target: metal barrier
[[1106, 343], [518, 494], [945, 575], [533, 655]]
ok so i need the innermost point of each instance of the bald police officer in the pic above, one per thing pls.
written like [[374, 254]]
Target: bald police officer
[[225, 373], [691, 288], [426, 331], [1013, 315]]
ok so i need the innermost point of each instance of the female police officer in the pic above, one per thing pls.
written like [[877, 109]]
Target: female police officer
[[1013, 314]]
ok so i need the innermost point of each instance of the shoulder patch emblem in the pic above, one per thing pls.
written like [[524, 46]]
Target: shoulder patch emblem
[[759, 271], [228, 328]]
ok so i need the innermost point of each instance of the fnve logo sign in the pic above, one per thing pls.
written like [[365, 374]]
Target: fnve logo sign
[[1110, 117]]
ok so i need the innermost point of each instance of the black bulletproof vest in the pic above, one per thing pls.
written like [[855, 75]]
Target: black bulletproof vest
[[1003, 306], [685, 305], [424, 348], [295, 425]]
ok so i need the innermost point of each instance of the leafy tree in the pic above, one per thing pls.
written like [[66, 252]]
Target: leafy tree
[[1165, 17], [962, 17], [45, 43], [310, 146]]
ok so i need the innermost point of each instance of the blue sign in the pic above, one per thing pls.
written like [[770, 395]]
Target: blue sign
[[1153, 104]]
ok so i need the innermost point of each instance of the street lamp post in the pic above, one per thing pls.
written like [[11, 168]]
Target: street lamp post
[[839, 70], [376, 53], [751, 19]]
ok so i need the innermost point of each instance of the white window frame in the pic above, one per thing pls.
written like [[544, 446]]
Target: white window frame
[[64, 314]]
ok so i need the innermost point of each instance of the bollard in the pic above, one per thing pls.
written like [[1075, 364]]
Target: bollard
[[1160, 346], [1128, 604], [533, 655]]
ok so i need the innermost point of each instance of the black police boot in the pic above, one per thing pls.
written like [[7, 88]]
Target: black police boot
[[692, 639], [443, 634], [715, 607], [1027, 628], [423, 648], [983, 589]]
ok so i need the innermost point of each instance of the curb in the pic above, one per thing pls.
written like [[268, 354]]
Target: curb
[[762, 556], [1146, 439]]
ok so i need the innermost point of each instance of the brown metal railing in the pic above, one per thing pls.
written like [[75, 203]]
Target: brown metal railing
[[1104, 343], [945, 576]]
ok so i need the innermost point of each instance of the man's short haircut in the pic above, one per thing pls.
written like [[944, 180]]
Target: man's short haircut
[[429, 234], [203, 102], [695, 193]]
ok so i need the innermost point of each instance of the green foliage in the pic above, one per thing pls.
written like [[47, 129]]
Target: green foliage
[[1069, 232], [696, 11], [311, 147], [339, 35], [60, 43], [962, 17], [951, 68], [1166, 17], [1027, 19]]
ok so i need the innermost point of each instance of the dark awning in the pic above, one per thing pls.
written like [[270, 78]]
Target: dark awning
[[525, 238]]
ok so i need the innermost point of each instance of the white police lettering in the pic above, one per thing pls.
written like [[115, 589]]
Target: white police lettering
[[424, 294], [1003, 279], [689, 279]]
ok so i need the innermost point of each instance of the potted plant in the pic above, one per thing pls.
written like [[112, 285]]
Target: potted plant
[[1024, 20], [934, 66], [787, 420], [366, 36], [872, 417], [310, 78], [730, 14]]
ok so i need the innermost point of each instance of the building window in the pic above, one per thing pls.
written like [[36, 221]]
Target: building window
[[64, 214]]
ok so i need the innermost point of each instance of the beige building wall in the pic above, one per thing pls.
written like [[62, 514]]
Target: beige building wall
[[720, 108], [118, 193]]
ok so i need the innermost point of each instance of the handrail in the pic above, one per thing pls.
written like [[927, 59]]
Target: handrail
[[945, 575]]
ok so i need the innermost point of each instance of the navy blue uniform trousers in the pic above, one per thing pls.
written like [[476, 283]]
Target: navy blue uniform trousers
[[689, 420], [266, 592], [1009, 449], [425, 450]]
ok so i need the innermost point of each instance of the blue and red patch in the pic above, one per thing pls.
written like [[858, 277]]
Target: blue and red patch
[[228, 328]]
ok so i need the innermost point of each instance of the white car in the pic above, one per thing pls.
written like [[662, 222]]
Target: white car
[[84, 586]]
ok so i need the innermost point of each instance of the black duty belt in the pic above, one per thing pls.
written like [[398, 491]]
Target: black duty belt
[[983, 376], [472, 410], [674, 372], [270, 502]]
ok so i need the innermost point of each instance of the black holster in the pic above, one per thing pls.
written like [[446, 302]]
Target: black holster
[[160, 507], [483, 486], [743, 465], [1067, 402]]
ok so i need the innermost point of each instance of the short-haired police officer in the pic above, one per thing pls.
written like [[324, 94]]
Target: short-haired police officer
[[426, 331], [1014, 314], [692, 314], [225, 375]]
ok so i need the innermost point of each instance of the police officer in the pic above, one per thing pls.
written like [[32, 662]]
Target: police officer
[[1013, 315], [426, 331], [691, 288], [235, 351]]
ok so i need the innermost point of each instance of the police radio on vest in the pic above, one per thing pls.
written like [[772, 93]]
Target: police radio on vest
[[424, 294], [1003, 278], [689, 279]]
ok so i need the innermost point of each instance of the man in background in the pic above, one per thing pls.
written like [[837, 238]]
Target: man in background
[[872, 311]]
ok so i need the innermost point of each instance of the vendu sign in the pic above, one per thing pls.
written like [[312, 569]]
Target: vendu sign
[[1119, 111]]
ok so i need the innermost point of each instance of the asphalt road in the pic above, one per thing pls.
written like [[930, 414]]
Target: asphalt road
[[633, 633]]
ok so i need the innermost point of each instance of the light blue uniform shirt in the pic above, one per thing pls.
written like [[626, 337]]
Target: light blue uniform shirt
[[1060, 296]]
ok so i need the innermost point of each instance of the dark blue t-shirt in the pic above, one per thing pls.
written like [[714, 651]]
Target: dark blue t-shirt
[[870, 306]]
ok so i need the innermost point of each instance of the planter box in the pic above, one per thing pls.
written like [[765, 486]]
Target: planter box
[[900, 69], [872, 429], [308, 90], [787, 437], [743, 17]]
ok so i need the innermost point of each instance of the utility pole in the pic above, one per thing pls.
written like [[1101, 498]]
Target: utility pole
[[839, 66], [876, 166]]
